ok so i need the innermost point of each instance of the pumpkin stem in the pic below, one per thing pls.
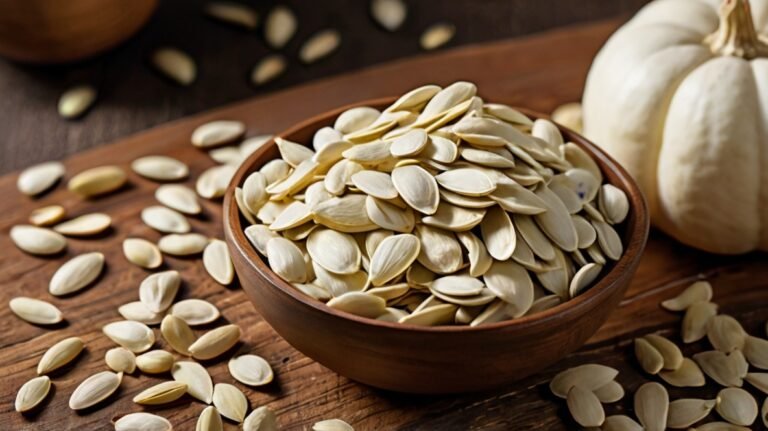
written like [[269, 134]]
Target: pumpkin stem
[[736, 35]]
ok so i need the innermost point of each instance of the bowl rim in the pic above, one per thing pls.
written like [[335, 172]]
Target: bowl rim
[[637, 235]]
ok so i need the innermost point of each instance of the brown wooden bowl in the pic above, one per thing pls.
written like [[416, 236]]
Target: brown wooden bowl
[[55, 31], [443, 359]]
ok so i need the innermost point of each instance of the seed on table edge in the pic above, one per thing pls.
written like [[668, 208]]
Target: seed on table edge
[[32, 393], [611, 392], [652, 406], [76, 100], [588, 376], [142, 253], [209, 420], [40, 177], [319, 45], [215, 342], [685, 412], [230, 402], [177, 334], [120, 359], [688, 375], [250, 370], [134, 336], [279, 26], [260, 419], [216, 133], [197, 379], [37, 240], [47, 216], [232, 13], [60, 354], [195, 311], [268, 69], [218, 263], [155, 362], [175, 64], [84, 225], [737, 406], [94, 389], [76, 273], [160, 168], [332, 425], [436, 36], [142, 421], [585, 407], [97, 181], [35, 310], [161, 393]]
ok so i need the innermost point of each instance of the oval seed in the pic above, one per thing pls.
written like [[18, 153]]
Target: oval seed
[[725, 333], [698, 291], [359, 304], [76, 100], [143, 253], [498, 233], [139, 312], [268, 69], [649, 357], [142, 422], [279, 27], [457, 285], [161, 393], [466, 181], [436, 36], [157, 291], [390, 14], [417, 188], [335, 251], [588, 376], [652, 406], [164, 220], [585, 407], [35, 311], [218, 263], [215, 342], [175, 64], [685, 412], [160, 168], [178, 197], [230, 401], [120, 360], [251, 370], [286, 260], [197, 379], [185, 244], [261, 419], [32, 393], [392, 257], [673, 357], [620, 423], [232, 13], [97, 181], [47, 215], [688, 375], [195, 311], [319, 45], [695, 321], [512, 283], [38, 178], [209, 420], [94, 389], [756, 352], [613, 203], [736, 406], [155, 362], [725, 369], [213, 182], [76, 273], [85, 225], [37, 240], [177, 334], [610, 392], [60, 354], [440, 252], [134, 336]]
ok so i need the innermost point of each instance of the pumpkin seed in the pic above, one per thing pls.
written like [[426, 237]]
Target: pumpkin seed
[[756, 351], [195, 311], [134, 336], [218, 263], [60, 354], [720, 426], [280, 26], [613, 203], [698, 291], [213, 182], [120, 360], [346, 214], [209, 420], [336, 252], [286, 260], [609, 240], [725, 369], [359, 304], [685, 412], [185, 244], [585, 407], [417, 188], [319, 45], [435, 315], [143, 253], [139, 312], [648, 356], [440, 252], [160, 168], [376, 184], [217, 133], [161, 393], [584, 277], [275, 170], [97, 181], [556, 222], [758, 380], [409, 144], [390, 14], [38, 178], [454, 218], [620, 423], [37, 240], [261, 419], [725, 333], [32, 393], [164, 220], [338, 284], [157, 291], [268, 69], [688, 375], [232, 13], [76, 100], [466, 181], [610, 392], [197, 379], [389, 216], [292, 152], [436, 36], [177, 334], [652, 406], [673, 357], [76, 273], [155, 362], [175, 65], [517, 199], [259, 235], [332, 425], [47, 215], [230, 402], [511, 282], [251, 370], [458, 285], [392, 257], [736, 406], [498, 233], [94, 389], [179, 198], [588, 376], [215, 342], [35, 310], [226, 155], [696, 319], [142, 422], [534, 237], [479, 259]]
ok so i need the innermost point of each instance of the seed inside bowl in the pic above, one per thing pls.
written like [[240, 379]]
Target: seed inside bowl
[[439, 210]]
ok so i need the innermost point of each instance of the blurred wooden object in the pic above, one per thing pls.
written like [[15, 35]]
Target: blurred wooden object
[[56, 31]]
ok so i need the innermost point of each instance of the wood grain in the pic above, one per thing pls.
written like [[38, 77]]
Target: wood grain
[[537, 72]]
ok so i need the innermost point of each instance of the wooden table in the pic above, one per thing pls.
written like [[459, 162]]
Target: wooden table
[[540, 72]]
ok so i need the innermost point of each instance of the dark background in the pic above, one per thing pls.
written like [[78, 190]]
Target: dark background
[[133, 97]]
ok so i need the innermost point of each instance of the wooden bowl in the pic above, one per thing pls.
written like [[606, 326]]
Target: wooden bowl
[[417, 359], [56, 31]]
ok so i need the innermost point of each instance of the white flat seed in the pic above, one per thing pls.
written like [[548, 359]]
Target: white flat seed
[[275, 170], [389, 216], [534, 237], [688, 375], [60, 354], [725, 369], [376, 184], [164, 220], [268, 69], [280, 26], [213, 182], [160, 168], [134, 336], [261, 419], [251, 370], [259, 235], [390, 14], [161, 393], [84, 225], [417, 188], [155, 362], [335, 251], [94, 389], [346, 214], [233, 13], [359, 304], [698, 291], [441, 314], [230, 402], [613, 204], [498, 233], [517, 199], [76, 100], [511, 282], [158, 290], [440, 251], [725, 333], [409, 144], [142, 422], [97, 181], [609, 240], [557, 224], [650, 359], [139, 312], [209, 420], [697, 316], [143, 253], [392, 257], [584, 277], [229, 154], [332, 425], [197, 379], [37, 240], [32, 393], [585, 407], [319, 45], [177, 334], [611, 392], [286, 259], [38, 178], [454, 218], [76, 273], [47, 215], [216, 133], [756, 351], [466, 181], [215, 342], [737, 406], [479, 259], [178, 197], [185, 244], [673, 357], [218, 263], [652, 406], [195, 311], [295, 215], [120, 360], [620, 423], [436, 36], [175, 64], [35, 310], [685, 412], [588, 376]]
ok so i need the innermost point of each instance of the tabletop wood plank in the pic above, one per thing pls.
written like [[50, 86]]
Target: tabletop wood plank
[[538, 72]]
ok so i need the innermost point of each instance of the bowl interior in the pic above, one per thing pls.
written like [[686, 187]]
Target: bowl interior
[[633, 231]]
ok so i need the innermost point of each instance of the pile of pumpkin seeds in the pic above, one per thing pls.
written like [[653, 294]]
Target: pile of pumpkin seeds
[[442, 209], [587, 387], [280, 27], [156, 304]]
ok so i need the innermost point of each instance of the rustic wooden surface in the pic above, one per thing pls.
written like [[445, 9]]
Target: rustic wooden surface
[[538, 72], [132, 97]]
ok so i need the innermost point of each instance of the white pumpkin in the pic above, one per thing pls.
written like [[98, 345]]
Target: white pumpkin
[[679, 96]]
